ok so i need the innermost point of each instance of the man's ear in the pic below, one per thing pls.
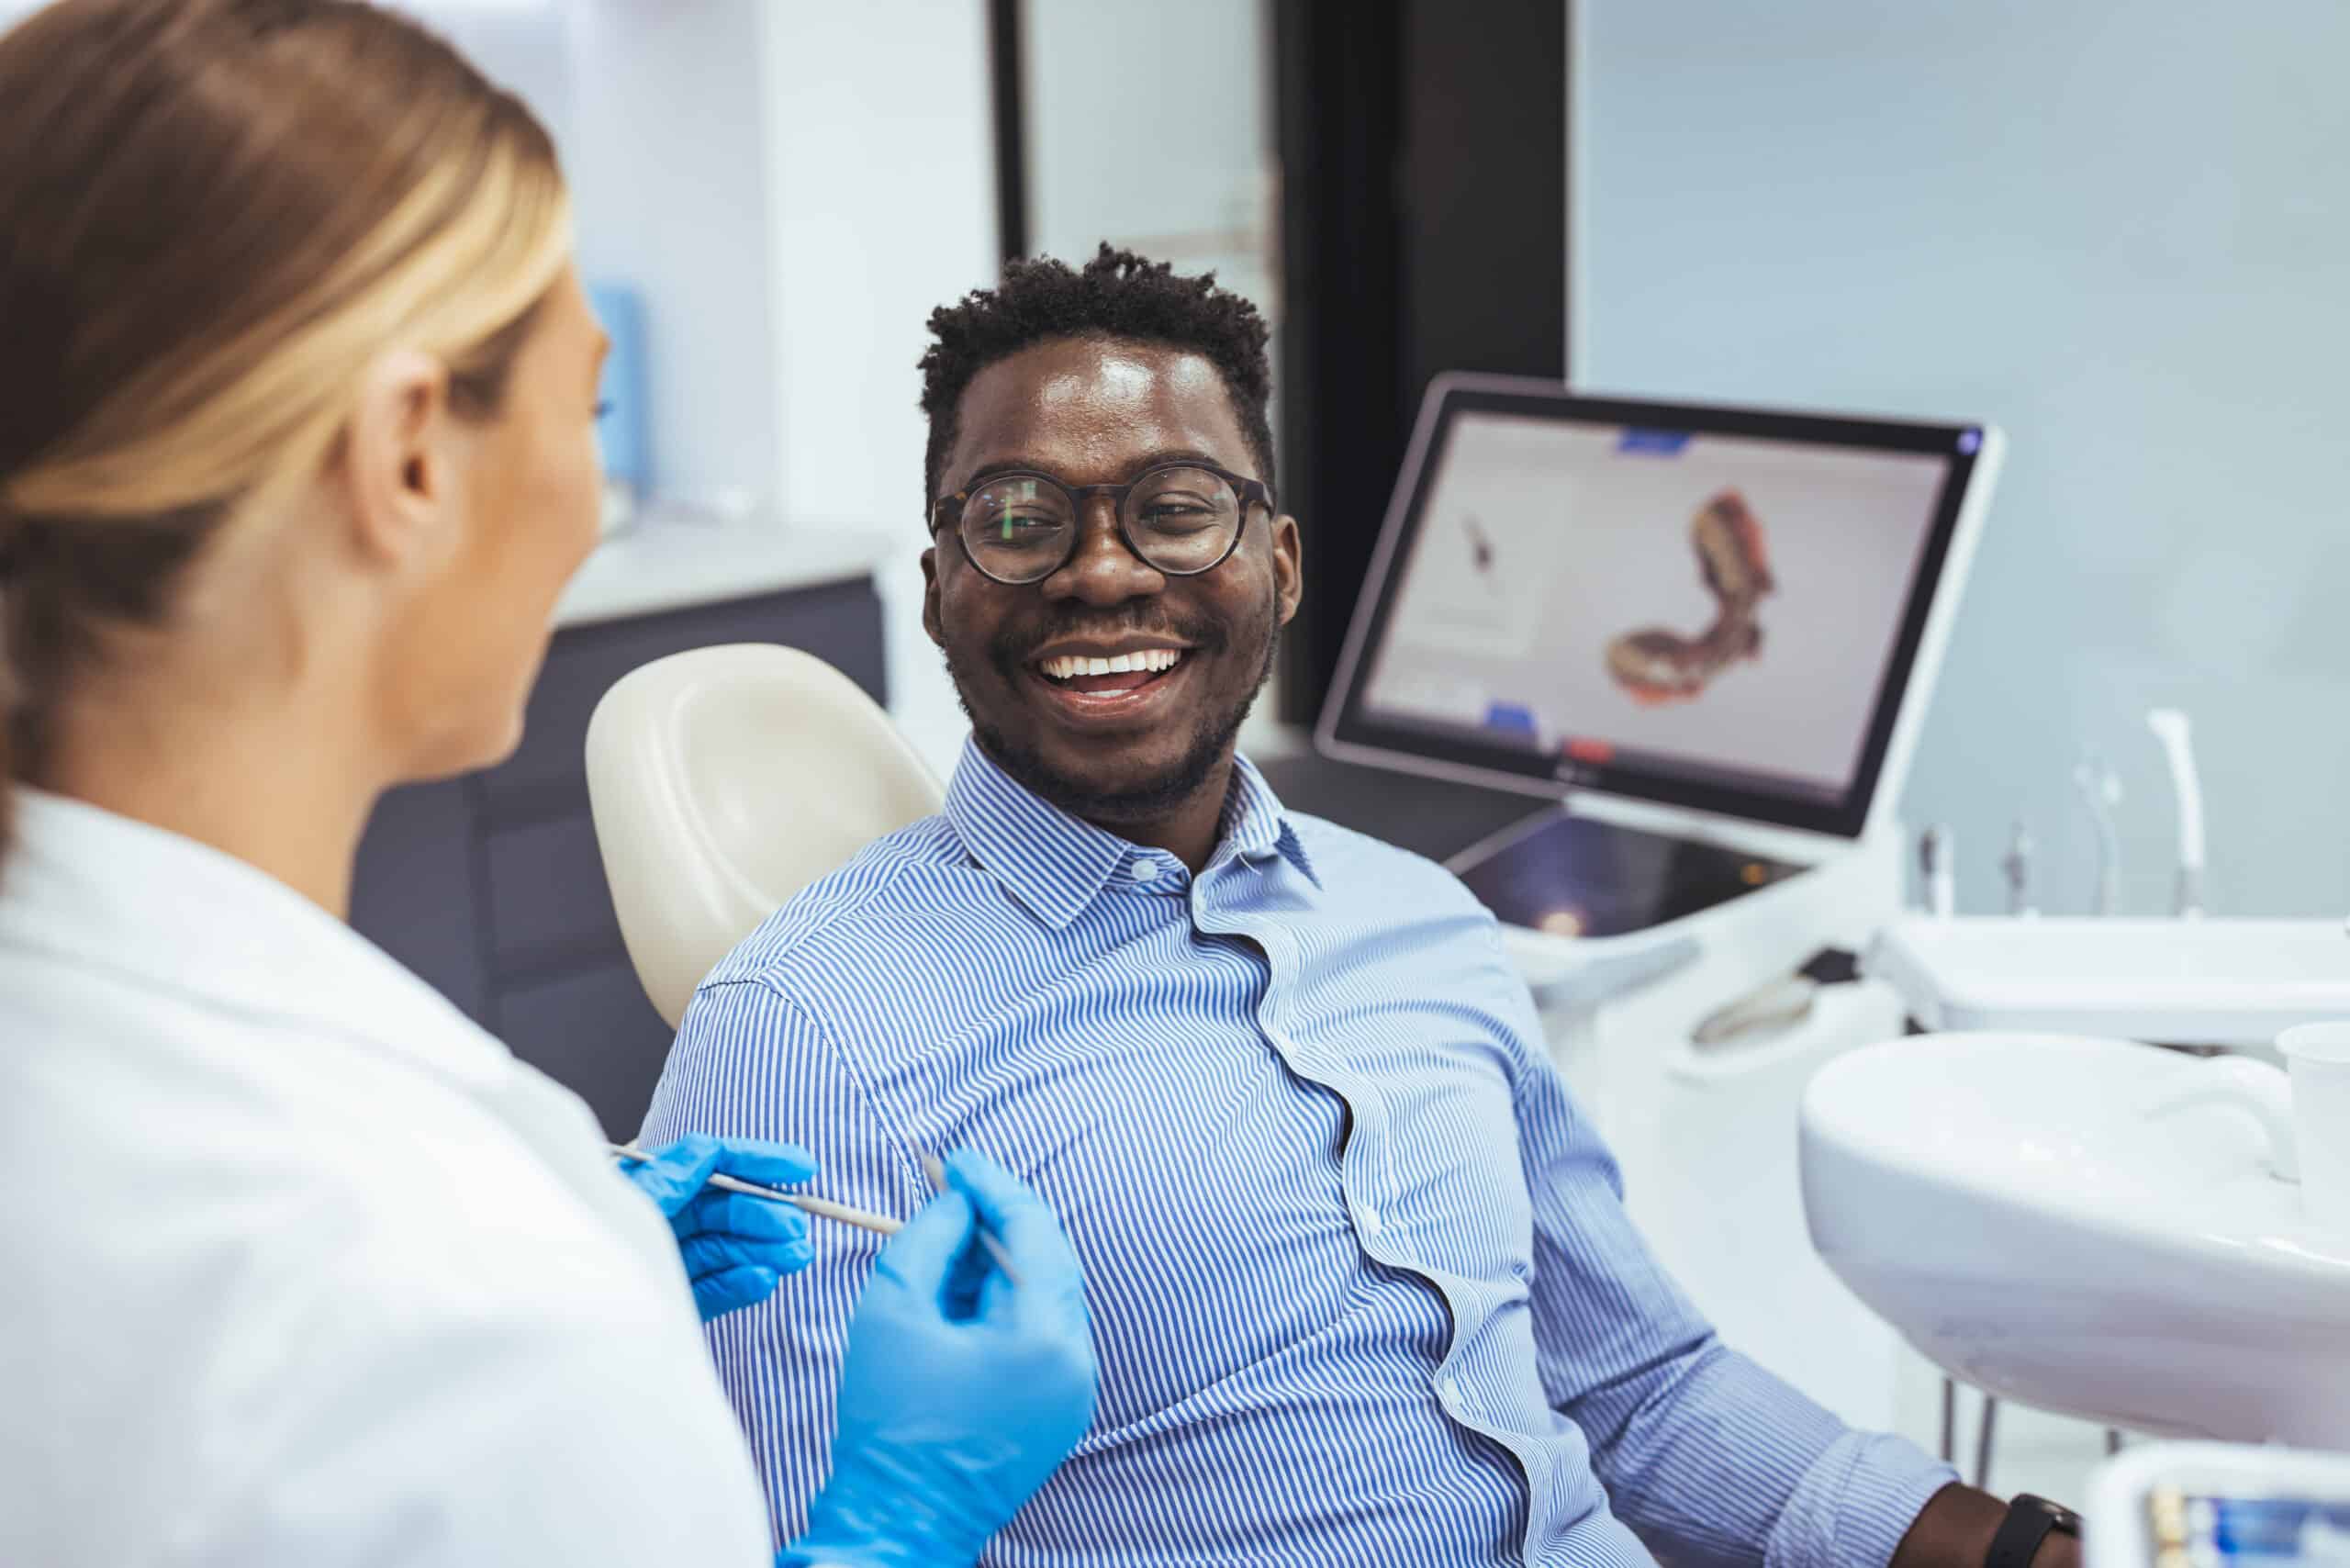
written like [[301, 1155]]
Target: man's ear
[[396, 468], [1289, 566], [930, 621]]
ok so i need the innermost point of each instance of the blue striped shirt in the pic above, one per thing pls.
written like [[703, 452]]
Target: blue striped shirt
[[1361, 1279]]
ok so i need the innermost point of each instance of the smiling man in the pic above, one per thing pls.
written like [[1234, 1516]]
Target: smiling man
[[1361, 1279], [1106, 669]]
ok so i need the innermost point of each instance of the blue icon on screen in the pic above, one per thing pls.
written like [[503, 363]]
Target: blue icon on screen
[[1510, 717]]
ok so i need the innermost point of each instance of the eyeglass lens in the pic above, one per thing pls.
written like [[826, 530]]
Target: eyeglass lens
[[1024, 529]]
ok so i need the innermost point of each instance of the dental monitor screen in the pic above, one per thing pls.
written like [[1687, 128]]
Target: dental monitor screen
[[2194, 1531], [1717, 607], [2196, 1505]]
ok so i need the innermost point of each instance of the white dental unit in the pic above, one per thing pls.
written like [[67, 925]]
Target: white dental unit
[[1707, 638]]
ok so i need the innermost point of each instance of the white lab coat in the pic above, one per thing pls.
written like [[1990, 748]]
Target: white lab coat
[[301, 1266]]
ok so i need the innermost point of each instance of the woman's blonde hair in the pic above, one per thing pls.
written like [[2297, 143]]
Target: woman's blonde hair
[[213, 215]]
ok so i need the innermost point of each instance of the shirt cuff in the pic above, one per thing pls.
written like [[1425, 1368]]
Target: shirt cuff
[[1854, 1504]]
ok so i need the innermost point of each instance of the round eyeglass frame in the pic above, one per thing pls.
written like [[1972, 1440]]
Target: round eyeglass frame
[[1251, 492]]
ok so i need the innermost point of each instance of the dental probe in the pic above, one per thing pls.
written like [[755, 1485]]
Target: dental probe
[[938, 1174], [823, 1208]]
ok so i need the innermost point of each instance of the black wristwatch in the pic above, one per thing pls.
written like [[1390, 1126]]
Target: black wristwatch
[[2029, 1521]]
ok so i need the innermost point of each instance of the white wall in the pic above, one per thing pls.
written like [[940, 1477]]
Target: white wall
[[882, 195], [793, 188], [2118, 231], [669, 104], [882, 189], [661, 112], [1147, 126]]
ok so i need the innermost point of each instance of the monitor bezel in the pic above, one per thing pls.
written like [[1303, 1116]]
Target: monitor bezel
[[1346, 730]]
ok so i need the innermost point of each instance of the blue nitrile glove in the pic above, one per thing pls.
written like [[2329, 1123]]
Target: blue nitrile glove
[[961, 1391], [734, 1245]]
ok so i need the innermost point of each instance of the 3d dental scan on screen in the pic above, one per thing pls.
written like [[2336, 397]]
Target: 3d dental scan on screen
[[1657, 666], [1721, 612]]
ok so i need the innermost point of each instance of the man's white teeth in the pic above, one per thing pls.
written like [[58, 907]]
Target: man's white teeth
[[1150, 661]]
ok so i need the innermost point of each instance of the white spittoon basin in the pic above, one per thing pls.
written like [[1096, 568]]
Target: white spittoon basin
[[2039, 1217]]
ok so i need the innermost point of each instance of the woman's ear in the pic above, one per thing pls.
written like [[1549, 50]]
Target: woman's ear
[[397, 464]]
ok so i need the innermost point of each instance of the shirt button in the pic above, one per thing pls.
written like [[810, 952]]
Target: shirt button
[[1367, 1219], [1448, 1388], [1143, 870]]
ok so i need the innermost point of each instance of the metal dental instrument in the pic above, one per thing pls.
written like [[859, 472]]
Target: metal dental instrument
[[822, 1208], [2100, 789], [2017, 865], [1938, 864], [932, 1168], [2170, 727]]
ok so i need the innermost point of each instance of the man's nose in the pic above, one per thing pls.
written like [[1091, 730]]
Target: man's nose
[[1103, 571]]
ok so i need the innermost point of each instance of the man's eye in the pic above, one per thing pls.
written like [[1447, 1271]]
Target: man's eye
[[1177, 515]]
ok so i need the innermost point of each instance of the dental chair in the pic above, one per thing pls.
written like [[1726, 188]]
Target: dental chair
[[725, 779]]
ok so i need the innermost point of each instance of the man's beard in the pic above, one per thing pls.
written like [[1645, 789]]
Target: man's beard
[[1212, 737]]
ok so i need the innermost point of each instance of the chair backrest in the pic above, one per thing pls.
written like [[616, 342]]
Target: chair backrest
[[725, 779]]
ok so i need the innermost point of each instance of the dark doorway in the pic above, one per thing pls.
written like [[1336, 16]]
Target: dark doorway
[[1424, 175]]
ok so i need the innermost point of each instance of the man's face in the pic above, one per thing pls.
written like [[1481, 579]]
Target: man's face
[[1094, 411]]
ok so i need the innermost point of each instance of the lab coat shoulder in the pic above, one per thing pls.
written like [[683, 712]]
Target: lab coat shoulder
[[296, 1301], [539, 1405]]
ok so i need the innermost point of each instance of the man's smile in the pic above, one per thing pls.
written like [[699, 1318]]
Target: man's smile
[[1091, 683], [1108, 664]]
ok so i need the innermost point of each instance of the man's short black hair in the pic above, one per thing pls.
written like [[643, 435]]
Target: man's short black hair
[[1116, 295]]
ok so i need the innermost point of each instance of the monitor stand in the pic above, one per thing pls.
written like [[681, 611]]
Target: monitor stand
[[1434, 817], [1531, 864], [1569, 876]]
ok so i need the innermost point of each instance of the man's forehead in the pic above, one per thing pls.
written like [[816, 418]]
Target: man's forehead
[[1085, 402]]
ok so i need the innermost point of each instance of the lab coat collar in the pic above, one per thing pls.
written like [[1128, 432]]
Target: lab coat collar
[[101, 891], [1056, 865]]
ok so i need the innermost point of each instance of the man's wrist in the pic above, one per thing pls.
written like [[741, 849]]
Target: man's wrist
[[1958, 1526], [2058, 1551], [2026, 1533]]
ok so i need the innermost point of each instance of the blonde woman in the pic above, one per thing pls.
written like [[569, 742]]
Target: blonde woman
[[296, 450]]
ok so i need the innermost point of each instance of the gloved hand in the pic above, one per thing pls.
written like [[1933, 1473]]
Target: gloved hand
[[734, 1245], [961, 1391]]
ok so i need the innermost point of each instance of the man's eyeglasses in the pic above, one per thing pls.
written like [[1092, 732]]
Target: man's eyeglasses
[[1180, 519]]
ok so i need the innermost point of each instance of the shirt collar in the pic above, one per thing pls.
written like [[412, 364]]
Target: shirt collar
[[99, 889], [1056, 865], [1255, 824]]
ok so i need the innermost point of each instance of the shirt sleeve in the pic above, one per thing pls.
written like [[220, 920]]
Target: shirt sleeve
[[749, 1061], [1708, 1457]]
